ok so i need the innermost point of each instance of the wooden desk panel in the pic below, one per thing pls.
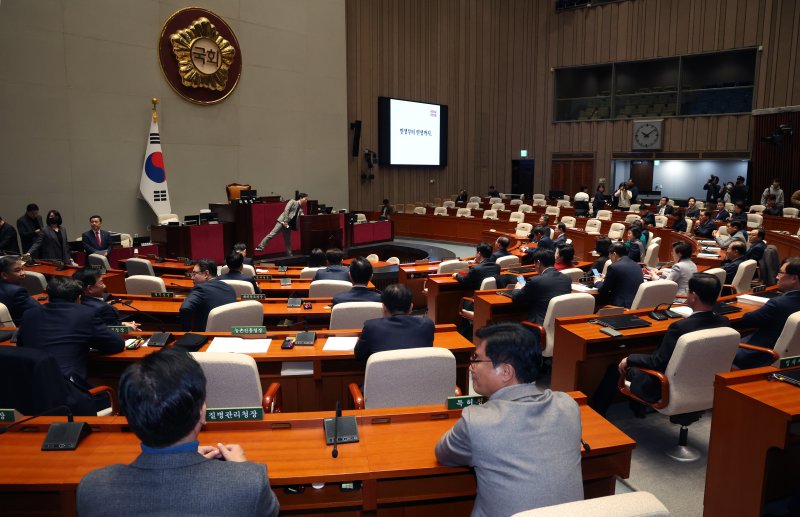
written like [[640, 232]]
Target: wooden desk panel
[[167, 267], [113, 278]]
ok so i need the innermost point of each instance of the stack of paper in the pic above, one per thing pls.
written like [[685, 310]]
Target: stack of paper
[[340, 344], [752, 299], [582, 288], [239, 345]]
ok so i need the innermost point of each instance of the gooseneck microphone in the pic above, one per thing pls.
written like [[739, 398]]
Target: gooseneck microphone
[[129, 303], [43, 413], [335, 451]]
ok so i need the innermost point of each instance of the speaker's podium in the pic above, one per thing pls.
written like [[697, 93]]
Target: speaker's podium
[[322, 231]]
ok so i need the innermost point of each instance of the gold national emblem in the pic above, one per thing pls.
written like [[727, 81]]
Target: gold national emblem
[[204, 56]]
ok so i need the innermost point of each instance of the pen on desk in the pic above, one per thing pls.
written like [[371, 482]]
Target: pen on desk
[[585, 445]]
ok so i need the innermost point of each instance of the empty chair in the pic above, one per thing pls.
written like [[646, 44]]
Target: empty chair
[[5, 317], [232, 381], [790, 212], [653, 293], [634, 208], [137, 266], [553, 211], [419, 210], [352, 315], [452, 266], [498, 206], [449, 204], [689, 225], [523, 230], [563, 203], [240, 287], [631, 218], [687, 385], [408, 377], [464, 212], [539, 196], [516, 217], [526, 209], [757, 208], [723, 231], [399, 208], [493, 200], [569, 221], [562, 306], [34, 282], [440, 210], [754, 220], [96, 259], [393, 260], [168, 218], [539, 202], [487, 284], [310, 272], [490, 214], [328, 288], [361, 218], [593, 226], [728, 207], [237, 314], [630, 504], [475, 199], [616, 231], [604, 215], [373, 257], [651, 255], [661, 221], [144, 284], [744, 276], [574, 273], [473, 206], [507, 261], [515, 202]]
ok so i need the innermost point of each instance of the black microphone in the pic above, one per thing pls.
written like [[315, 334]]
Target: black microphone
[[43, 413], [129, 303], [335, 451]]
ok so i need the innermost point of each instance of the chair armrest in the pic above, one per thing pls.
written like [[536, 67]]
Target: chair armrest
[[537, 328], [457, 391], [273, 399], [662, 379], [112, 395], [461, 311], [775, 355], [358, 397]]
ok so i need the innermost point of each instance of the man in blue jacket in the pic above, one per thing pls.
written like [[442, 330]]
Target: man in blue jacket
[[335, 269], [360, 275], [205, 295], [622, 279], [12, 294]]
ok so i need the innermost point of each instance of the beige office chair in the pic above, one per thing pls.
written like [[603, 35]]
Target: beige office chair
[[604, 215], [508, 261], [523, 230], [593, 226], [125, 240], [651, 255], [352, 315], [720, 274], [525, 208], [407, 377], [689, 225], [490, 214], [516, 217], [474, 199], [247, 313], [757, 208], [616, 232], [473, 205], [743, 278], [440, 210], [661, 221], [515, 202], [310, 272], [728, 207], [96, 259], [754, 220], [487, 284], [449, 204], [539, 202], [5, 317], [605, 267], [790, 212], [138, 266], [464, 212], [574, 274], [373, 257], [452, 266], [569, 221], [654, 293], [539, 196], [629, 504], [498, 206], [247, 269], [787, 345], [393, 260], [631, 218], [232, 381], [34, 282], [687, 385], [563, 203], [562, 306], [144, 284], [493, 200], [240, 287], [168, 218], [702, 205], [553, 211], [361, 218], [420, 210], [328, 288], [634, 208]]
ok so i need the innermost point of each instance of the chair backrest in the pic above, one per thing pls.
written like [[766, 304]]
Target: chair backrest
[[788, 343], [137, 266], [5, 317], [409, 377], [96, 259], [631, 218], [661, 221], [498, 206], [440, 210], [604, 215], [769, 265], [473, 206], [539, 202], [493, 200], [488, 283], [125, 240], [34, 282], [245, 313], [240, 287], [651, 255], [593, 226], [490, 214], [452, 266], [309, 272], [539, 196], [574, 273], [629, 504], [516, 217], [702, 204], [563, 306], [723, 231], [234, 190], [790, 212], [744, 275], [232, 380], [569, 221], [553, 210], [507, 261], [352, 315], [144, 284], [617, 231], [420, 210], [634, 208], [373, 257], [475, 199], [605, 267], [464, 212], [525, 208], [399, 208], [523, 229], [689, 225], [449, 204], [328, 288], [168, 218], [757, 208], [563, 203], [653, 293], [754, 220], [393, 260], [361, 218], [515, 202], [697, 358]]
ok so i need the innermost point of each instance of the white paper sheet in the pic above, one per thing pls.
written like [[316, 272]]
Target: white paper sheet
[[752, 299], [683, 310], [239, 345], [582, 288], [340, 344], [293, 368]]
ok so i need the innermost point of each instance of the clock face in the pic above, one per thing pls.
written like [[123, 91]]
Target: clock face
[[647, 135]]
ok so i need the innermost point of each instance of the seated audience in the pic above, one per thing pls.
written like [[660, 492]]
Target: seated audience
[[735, 233], [564, 255], [739, 214], [601, 246], [360, 276], [664, 208], [582, 202], [386, 209], [547, 469], [772, 207], [634, 244], [204, 296], [96, 240], [335, 269], [12, 294], [241, 248], [164, 399], [683, 269], [680, 225], [493, 192], [622, 279], [501, 243], [692, 211], [235, 263], [646, 215], [483, 268], [537, 290], [705, 227], [316, 258], [756, 247], [93, 296], [561, 238], [539, 237], [733, 259], [722, 214]]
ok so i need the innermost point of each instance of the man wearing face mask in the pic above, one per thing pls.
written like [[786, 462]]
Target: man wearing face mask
[[52, 243]]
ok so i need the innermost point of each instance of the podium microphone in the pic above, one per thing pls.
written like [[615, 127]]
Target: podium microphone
[[335, 451]]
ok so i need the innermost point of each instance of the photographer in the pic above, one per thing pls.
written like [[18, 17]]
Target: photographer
[[712, 190], [623, 197]]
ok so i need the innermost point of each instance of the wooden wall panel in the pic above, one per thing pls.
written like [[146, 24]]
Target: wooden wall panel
[[781, 160], [490, 61]]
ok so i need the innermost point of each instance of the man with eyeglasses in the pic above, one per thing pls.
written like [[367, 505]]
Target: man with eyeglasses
[[769, 319], [207, 294], [544, 468]]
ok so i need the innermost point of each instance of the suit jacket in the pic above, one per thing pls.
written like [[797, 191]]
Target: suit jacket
[[359, 293], [91, 245], [180, 483], [712, 192], [17, 301], [665, 210], [681, 273], [649, 218], [67, 331], [705, 229], [769, 319], [775, 211], [722, 215], [741, 217], [730, 267], [635, 250], [238, 275], [692, 212], [755, 251], [476, 274], [545, 243], [204, 297], [336, 272], [620, 284], [393, 333], [680, 225], [513, 477], [108, 314], [27, 231], [497, 254], [561, 239], [386, 210], [648, 387], [8, 239], [725, 241], [538, 291], [291, 210], [49, 246]]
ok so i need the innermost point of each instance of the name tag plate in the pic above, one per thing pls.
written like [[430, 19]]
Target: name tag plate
[[119, 329], [787, 362], [464, 401], [254, 296], [256, 329], [162, 295], [234, 414]]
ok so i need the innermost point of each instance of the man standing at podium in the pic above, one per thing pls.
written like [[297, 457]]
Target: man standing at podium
[[287, 222]]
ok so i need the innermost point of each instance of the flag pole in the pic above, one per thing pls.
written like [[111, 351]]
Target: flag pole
[[154, 100]]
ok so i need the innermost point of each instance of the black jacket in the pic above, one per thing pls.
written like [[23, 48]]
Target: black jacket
[[539, 289], [476, 274], [394, 333]]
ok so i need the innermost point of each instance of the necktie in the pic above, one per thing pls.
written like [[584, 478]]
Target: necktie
[[98, 239]]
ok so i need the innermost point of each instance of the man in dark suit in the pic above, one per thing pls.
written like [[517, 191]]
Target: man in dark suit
[[756, 244], [772, 207], [722, 214], [241, 248], [360, 275], [29, 226], [702, 294], [646, 215], [622, 279], [12, 294], [664, 208], [502, 243], [335, 269], [562, 235], [733, 259], [493, 192], [93, 296], [170, 450], [205, 295], [483, 268], [537, 291], [96, 240], [769, 319], [398, 329], [691, 209], [8, 238], [542, 241], [739, 214], [235, 261], [67, 330], [705, 226]]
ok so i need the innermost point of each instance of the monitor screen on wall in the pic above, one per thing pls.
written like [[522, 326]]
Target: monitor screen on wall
[[411, 133]]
